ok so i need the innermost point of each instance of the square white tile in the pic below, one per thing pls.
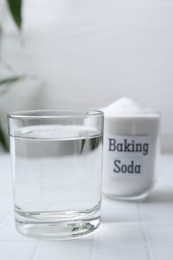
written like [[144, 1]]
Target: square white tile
[[162, 252], [120, 233], [18, 251], [158, 209], [119, 211], [161, 234], [120, 252], [65, 250]]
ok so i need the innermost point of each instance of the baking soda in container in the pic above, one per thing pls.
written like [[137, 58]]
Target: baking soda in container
[[131, 150]]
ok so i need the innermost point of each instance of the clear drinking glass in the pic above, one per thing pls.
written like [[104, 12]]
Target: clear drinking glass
[[57, 172]]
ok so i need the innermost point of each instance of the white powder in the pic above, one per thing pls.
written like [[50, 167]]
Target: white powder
[[131, 147], [127, 107]]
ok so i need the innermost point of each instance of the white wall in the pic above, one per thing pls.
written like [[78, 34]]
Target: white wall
[[92, 52]]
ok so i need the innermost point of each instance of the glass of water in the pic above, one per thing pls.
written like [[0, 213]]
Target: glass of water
[[57, 172]]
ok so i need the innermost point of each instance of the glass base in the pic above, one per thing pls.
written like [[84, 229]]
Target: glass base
[[61, 229]]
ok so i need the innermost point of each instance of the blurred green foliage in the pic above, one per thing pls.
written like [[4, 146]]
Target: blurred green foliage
[[15, 9]]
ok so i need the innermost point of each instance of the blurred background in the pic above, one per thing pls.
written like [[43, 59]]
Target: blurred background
[[87, 54]]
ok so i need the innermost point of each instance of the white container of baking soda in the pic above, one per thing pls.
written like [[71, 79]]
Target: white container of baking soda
[[131, 150]]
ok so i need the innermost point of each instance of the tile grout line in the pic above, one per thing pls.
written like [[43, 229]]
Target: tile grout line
[[37, 250], [145, 232]]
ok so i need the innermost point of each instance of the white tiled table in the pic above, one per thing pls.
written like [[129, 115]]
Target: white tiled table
[[133, 231]]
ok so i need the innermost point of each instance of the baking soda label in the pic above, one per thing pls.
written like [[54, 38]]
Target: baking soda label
[[126, 154]]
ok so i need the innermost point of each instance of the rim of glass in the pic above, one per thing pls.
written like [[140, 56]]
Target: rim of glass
[[48, 114]]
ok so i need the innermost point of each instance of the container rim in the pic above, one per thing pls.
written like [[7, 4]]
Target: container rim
[[139, 114], [54, 114]]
